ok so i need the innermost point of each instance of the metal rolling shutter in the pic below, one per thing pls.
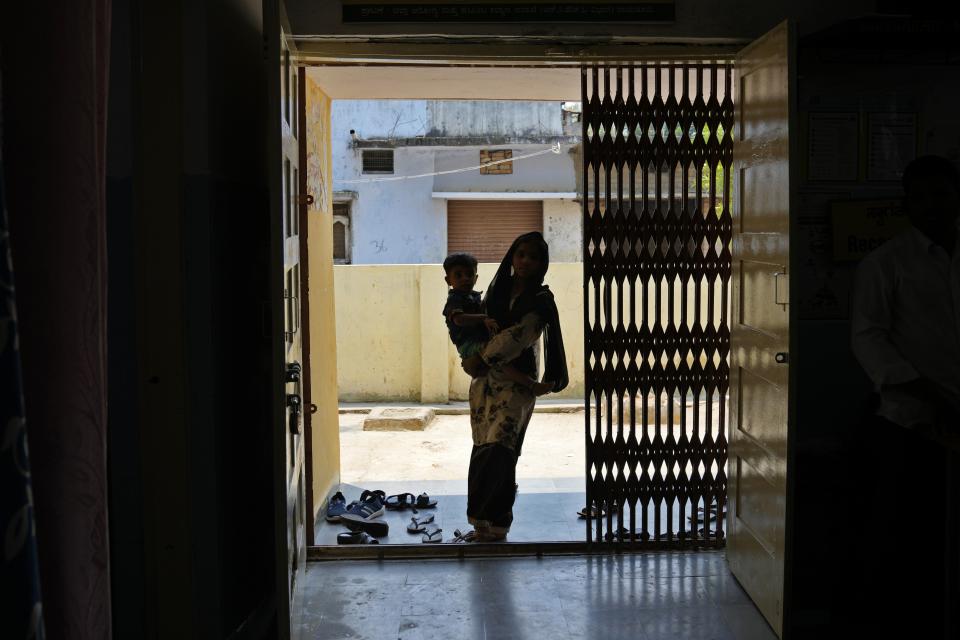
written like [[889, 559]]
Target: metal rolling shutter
[[486, 228]]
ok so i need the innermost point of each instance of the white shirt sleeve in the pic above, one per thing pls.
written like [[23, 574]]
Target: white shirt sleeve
[[871, 320]]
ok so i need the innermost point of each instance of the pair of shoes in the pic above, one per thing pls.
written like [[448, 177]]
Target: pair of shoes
[[361, 515], [337, 506], [424, 524], [402, 501]]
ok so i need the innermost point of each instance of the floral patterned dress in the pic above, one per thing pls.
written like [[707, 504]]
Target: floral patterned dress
[[500, 410]]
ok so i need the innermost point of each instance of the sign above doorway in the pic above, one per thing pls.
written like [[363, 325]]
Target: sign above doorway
[[508, 11]]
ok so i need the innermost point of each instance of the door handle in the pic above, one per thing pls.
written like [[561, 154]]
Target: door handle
[[781, 288], [294, 403]]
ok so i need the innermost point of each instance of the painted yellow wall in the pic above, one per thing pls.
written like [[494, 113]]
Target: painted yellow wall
[[392, 341], [378, 332], [323, 340]]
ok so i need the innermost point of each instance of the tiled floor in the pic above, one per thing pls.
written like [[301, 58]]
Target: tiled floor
[[637, 597]]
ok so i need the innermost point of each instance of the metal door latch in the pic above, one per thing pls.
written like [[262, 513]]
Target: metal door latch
[[294, 404], [293, 372]]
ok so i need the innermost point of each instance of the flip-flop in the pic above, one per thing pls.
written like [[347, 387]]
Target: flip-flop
[[418, 524], [399, 502], [432, 534], [597, 513], [425, 502], [355, 537], [469, 536]]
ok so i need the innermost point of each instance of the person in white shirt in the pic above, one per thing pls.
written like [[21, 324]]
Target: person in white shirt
[[905, 332], [905, 314]]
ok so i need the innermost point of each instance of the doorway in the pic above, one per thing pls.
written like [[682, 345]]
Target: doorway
[[653, 190], [656, 464]]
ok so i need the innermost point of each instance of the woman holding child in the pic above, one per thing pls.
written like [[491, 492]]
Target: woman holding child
[[518, 309]]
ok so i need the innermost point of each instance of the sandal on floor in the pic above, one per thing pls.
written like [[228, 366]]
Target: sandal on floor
[[418, 524], [424, 502], [469, 536], [592, 512], [712, 517], [432, 534], [623, 534], [355, 537], [399, 502], [377, 528]]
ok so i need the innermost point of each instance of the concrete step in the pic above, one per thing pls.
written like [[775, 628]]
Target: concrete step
[[455, 408]]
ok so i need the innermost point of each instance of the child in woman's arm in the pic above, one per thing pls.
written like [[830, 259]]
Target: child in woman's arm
[[469, 329]]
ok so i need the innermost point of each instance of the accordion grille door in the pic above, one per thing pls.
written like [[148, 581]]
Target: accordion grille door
[[656, 159]]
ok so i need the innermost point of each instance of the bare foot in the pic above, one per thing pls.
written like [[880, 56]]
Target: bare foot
[[542, 388]]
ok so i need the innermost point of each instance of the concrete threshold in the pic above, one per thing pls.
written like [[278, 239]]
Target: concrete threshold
[[456, 408]]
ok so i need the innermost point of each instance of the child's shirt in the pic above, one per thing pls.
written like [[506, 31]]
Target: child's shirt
[[463, 302]]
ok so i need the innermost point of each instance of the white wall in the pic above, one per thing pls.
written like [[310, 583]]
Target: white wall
[[391, 222], [548, 172], [397, 222], [562, 229], [378, 119], [494, 117]]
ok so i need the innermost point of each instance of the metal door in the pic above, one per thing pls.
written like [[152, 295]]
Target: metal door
[[285, 317], [656, 204], [761, 323]]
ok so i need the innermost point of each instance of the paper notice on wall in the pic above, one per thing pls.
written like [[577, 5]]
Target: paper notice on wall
[[834, 147], [891, 144], [822, 290]]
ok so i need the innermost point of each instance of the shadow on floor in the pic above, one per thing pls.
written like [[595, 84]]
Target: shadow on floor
[[650, 596]]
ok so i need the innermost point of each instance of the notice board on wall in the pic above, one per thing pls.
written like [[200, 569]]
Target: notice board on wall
[[860, 226], [508, 11]]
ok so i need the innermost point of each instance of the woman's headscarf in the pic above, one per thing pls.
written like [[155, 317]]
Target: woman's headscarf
[[536, 298]]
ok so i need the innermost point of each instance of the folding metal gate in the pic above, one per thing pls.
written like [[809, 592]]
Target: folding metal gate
[[657, 152]]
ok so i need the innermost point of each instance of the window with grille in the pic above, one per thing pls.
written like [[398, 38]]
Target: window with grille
[[378, 160], [492, 162], [341, 233]]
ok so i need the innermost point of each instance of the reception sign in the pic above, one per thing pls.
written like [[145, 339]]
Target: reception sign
[[508, 11]]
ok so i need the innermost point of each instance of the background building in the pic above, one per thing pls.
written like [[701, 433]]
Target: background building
[[381, 220]]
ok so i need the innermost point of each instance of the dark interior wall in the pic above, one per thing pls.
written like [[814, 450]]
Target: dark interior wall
[[123, 438], [864, 67], [191, 461]]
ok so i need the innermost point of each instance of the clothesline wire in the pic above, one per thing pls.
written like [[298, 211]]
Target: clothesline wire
[[555, 148]]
